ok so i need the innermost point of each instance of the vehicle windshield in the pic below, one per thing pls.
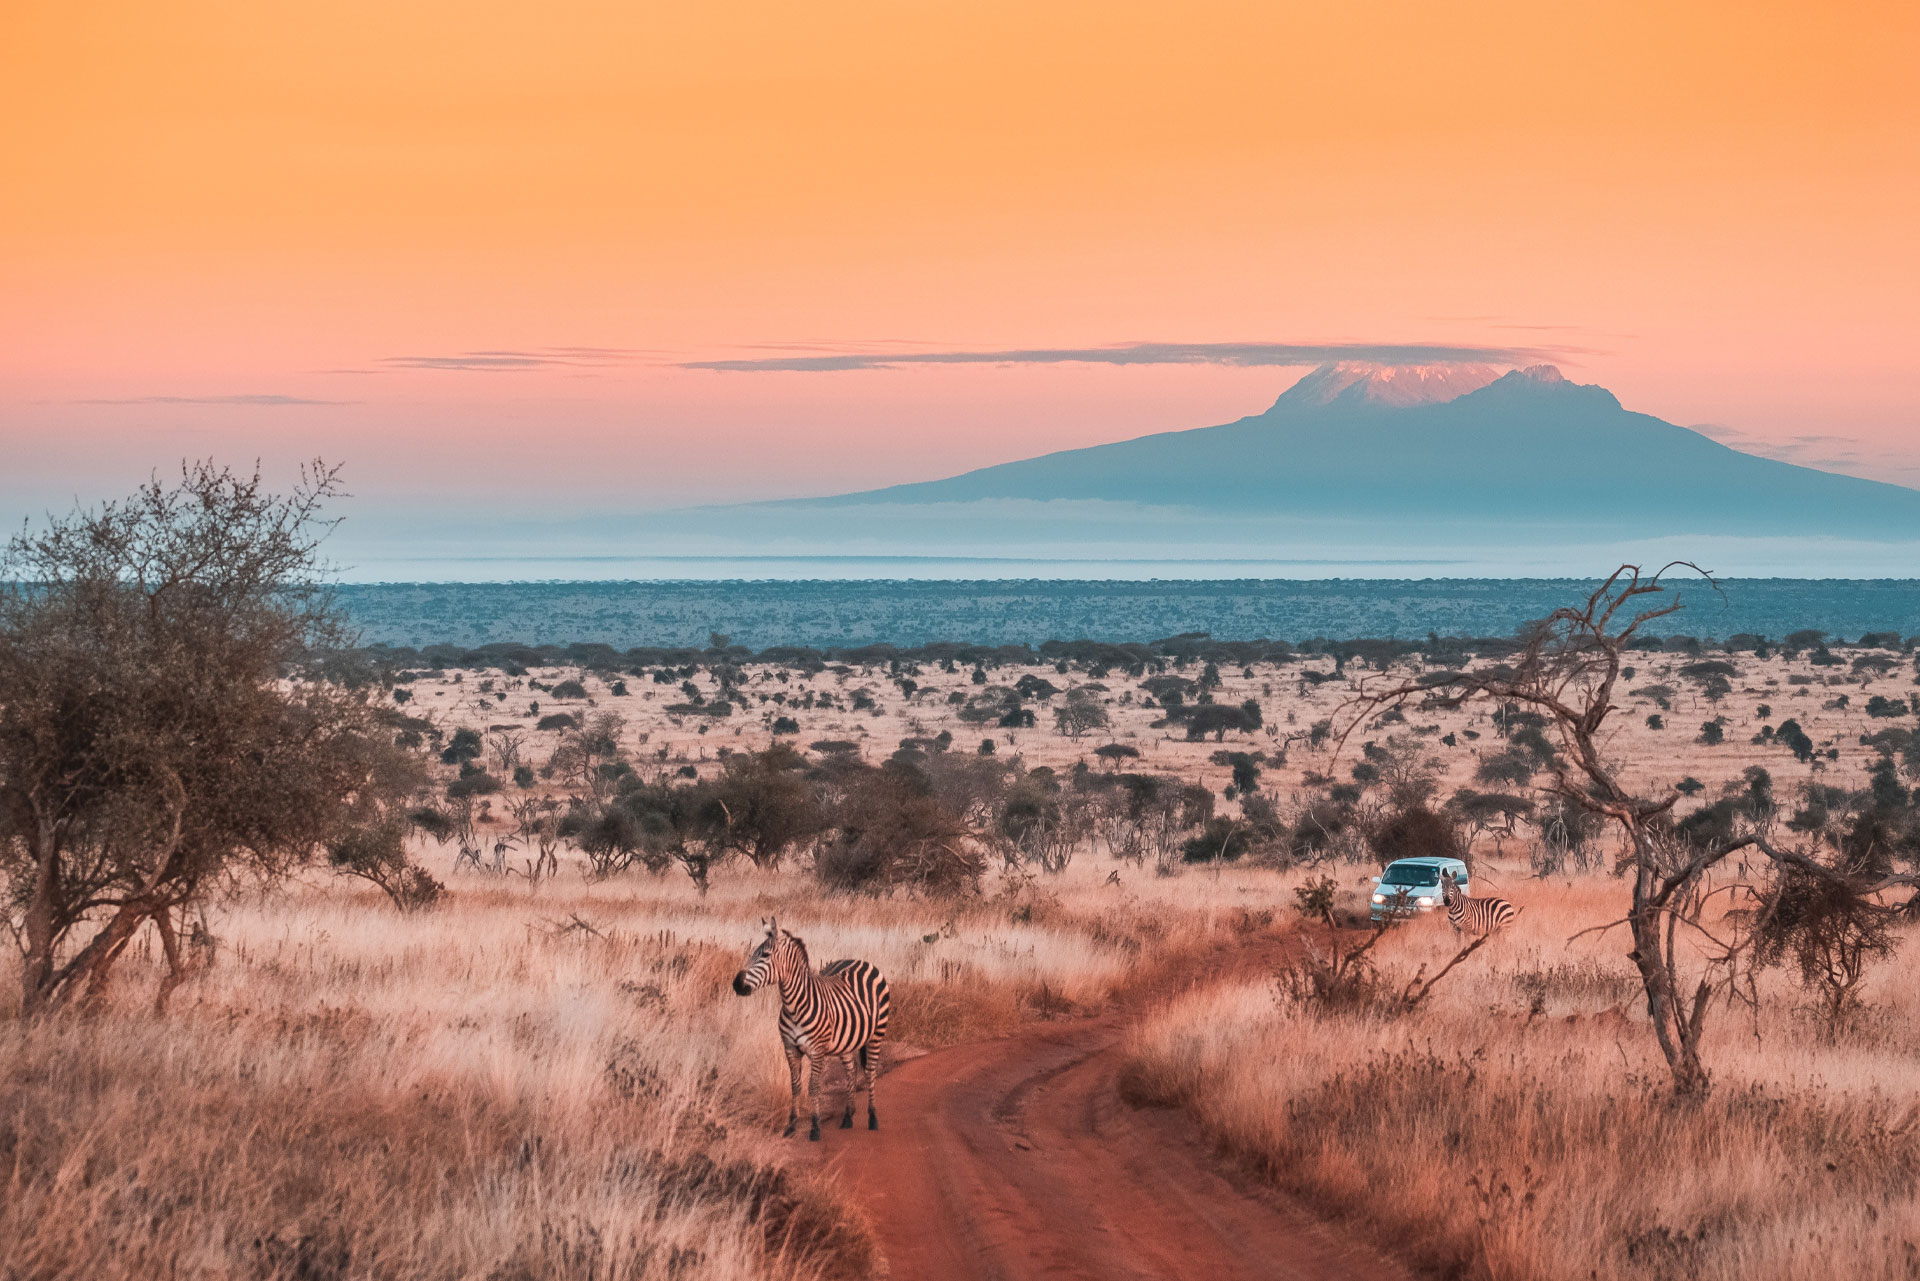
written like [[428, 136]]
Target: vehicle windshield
[[1411, 874]]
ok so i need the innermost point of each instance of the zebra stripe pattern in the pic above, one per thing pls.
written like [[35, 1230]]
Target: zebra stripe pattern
[[1475, 915], [842, 1011]]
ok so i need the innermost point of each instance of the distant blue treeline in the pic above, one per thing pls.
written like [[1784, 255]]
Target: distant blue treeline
[[761, 614]]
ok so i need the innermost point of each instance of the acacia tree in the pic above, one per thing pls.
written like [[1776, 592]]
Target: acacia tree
[[155, 736], [1830, 933], [371, 841], [589, 754], [1567, 671], [760, 805], [1079, 713]]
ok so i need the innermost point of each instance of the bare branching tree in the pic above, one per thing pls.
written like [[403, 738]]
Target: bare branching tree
[[536, 822], [503, 748], [588, 753], [1567, 672]]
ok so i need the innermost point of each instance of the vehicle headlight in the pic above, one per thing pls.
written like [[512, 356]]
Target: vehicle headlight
[[1426, 900], [1379, 898]]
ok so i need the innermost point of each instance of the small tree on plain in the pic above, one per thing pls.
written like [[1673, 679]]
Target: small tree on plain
[[503, 748], [1217, 718], [157, 736], [376, 852], [761, 805], [1079, 713], [1830, 932], [589, 753]]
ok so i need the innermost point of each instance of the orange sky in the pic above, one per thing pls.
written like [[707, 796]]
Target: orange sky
[[1710, 207]]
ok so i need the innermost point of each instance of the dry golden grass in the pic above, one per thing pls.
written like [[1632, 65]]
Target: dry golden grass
[[556, 1082], [348, 1092], [1518, 1125], [494, 1090]]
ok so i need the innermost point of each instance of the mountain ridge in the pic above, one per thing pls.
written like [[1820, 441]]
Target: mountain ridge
[[1527, 445]]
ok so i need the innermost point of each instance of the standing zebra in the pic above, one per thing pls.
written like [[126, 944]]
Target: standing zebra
[[1474, 915], [842, 1010]]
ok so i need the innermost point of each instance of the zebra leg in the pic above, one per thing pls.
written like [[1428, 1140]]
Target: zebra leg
[[870, 1059], [793, 1102], [814, 1065], [853, 1085]]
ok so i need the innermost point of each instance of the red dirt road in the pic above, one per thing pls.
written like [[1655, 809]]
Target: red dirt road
[[1014, 1159]]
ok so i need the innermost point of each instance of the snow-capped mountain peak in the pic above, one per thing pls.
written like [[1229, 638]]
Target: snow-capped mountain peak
[[1397, 386]]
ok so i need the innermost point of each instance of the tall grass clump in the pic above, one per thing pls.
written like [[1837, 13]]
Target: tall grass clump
[[1518, 1124], [349, 1093]]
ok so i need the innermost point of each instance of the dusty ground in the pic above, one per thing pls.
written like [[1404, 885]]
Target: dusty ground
[[1019, 1157]]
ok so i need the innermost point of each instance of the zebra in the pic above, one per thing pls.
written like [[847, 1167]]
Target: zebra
[[1474, 915], [842, 1010]]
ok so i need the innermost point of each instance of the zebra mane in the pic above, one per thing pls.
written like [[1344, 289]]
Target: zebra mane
[[795, 940]]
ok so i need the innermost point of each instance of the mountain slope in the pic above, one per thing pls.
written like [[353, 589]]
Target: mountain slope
[[1528, 447]]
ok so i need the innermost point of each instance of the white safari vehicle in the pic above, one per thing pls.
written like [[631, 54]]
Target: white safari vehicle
[[1410, 886]]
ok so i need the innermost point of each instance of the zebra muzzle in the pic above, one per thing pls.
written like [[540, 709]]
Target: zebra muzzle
[[740, 984]]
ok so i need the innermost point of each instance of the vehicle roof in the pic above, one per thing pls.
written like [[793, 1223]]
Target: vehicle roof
[[1431, 860]]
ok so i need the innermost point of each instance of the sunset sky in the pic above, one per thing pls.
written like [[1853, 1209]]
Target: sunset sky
[[470, 249]]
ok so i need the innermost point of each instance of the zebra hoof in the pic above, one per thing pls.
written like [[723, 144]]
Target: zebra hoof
[[873, 1121], [791, 1127], [814, 1133], [846, 1122]]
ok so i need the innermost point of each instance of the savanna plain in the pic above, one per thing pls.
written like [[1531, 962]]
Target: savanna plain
[[514, 1053]]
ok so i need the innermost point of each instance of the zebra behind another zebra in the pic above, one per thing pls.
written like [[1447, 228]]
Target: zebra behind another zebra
[[1474, 915], [842, 1010]]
